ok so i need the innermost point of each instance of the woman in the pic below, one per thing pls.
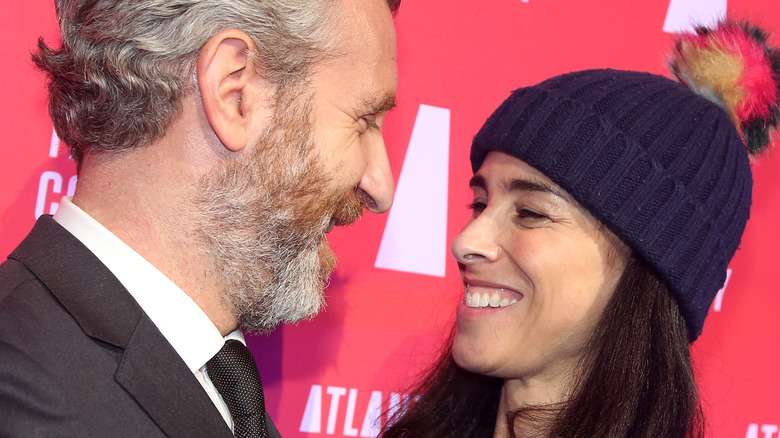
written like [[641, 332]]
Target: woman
[[607, 206]]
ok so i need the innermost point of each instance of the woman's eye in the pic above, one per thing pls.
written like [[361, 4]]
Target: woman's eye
[[530, 214], [476, 207]]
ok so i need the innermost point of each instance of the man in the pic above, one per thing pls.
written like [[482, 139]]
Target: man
[[217, 141]]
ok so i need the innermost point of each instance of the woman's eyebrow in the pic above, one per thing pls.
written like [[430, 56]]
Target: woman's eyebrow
[[522, 185], [534, 185], [477, 181]]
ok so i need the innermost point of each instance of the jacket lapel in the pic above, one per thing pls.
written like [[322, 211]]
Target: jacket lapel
[[155, 375], [150, 370]]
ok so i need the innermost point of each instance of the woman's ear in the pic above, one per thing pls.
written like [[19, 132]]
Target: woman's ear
[[226, 79]]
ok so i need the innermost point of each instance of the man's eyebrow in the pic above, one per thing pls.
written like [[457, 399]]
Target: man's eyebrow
[[381, 104]]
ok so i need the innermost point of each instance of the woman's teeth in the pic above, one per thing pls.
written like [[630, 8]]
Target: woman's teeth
[[487, 299]]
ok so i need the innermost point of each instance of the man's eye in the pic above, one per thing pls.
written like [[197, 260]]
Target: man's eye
[[367, 123]]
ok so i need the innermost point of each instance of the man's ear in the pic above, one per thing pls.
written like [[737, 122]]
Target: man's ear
[[226, 80]]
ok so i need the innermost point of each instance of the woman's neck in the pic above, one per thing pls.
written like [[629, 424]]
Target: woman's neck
[[520, 393]]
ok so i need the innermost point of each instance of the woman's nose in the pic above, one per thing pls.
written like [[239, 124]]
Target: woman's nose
[[477, 242]]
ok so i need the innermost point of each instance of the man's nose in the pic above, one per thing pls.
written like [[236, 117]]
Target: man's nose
[[377, 180]]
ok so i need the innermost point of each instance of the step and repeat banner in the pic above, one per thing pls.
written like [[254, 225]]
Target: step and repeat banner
[[391, 302]]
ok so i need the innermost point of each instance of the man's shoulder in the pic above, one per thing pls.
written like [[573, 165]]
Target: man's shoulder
[[49, 265], [17, 279], [58, 380], [28, 309], [42, 244], [22, 294], [14, 276]]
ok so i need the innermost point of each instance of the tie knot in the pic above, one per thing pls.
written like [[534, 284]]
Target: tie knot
[[234, 373]]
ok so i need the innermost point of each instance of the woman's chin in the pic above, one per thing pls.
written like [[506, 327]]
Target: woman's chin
[[470, 358]]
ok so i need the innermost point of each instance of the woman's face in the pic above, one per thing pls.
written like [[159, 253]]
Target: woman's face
[[537, 272]]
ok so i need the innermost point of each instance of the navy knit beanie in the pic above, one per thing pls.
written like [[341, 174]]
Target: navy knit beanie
[[662, 167]]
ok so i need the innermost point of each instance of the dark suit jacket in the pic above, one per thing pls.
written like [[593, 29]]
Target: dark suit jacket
[[78, 356]]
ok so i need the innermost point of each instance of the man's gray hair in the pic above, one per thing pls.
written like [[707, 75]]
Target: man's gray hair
[[117, 80]]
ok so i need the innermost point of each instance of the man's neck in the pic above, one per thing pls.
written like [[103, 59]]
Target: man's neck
[[146, 199]]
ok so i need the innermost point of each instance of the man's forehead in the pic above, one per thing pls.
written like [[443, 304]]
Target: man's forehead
[[361, 23]]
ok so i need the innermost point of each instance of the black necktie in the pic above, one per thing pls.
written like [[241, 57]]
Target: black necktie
[[234, 373]]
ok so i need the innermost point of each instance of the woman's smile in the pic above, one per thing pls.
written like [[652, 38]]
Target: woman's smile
[[485, 295]]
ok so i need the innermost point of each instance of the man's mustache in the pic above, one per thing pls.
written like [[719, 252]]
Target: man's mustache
[[351, 207]]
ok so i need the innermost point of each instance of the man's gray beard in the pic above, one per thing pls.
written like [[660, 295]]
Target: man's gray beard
[[263, 226]]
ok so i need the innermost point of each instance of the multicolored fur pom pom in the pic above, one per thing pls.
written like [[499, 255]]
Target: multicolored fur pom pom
[[733, 65]]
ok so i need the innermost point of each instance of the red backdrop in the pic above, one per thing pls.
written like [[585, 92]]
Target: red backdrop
[[392, 299]]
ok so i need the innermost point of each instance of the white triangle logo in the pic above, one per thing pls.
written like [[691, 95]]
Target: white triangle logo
[[415, 237]]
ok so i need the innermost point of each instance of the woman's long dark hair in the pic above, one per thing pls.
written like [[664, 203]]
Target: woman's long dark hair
[[636, 380]]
